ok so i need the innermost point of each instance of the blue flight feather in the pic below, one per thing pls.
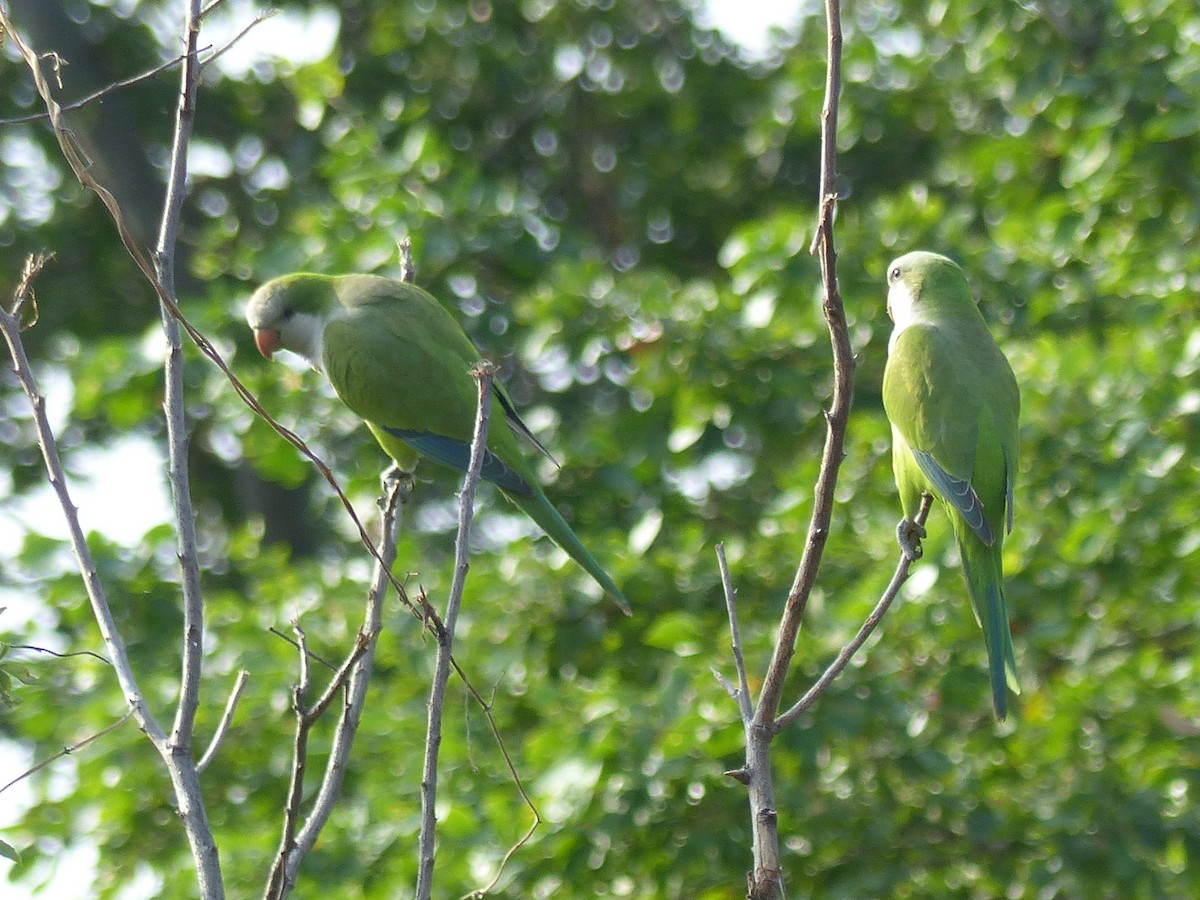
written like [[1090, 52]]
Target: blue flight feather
[[457, 455], [958, 493]]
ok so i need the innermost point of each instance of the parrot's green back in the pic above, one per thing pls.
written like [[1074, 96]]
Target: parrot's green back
[[399, 360], [953, 402]]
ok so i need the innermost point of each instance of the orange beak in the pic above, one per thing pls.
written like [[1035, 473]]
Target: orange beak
[[267, 340]]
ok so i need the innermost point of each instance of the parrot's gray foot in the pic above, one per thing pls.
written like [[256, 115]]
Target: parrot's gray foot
[[395, 478], [909, 535]]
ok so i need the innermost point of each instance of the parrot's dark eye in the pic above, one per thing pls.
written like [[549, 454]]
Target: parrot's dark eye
[[289, 313], [894, 274]]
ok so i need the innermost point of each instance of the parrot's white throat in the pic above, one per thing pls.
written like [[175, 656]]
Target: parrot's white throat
[[303, 334], [901, 306]]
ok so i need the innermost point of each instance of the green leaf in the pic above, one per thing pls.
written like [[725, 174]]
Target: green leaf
[[9, 852]]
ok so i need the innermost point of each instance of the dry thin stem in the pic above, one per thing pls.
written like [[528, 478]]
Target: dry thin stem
[[354, 691], [81, 169], [178, 752], [178, 764], [313, 656], [486, 706], [869, 624], [258, 20], [445, 636], [837, 418], [176, 749], [318, 708], [173, 405], [352, 679], [742, 692], [67, 751], [23, 294], [765, 880], [277, 886], [57, 655], [182, 772], [133, 81], [100, 94], [226, 719], [83, 556]]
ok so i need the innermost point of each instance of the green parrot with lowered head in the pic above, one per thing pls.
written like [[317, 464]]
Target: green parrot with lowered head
[[398, 359], [953, 403]]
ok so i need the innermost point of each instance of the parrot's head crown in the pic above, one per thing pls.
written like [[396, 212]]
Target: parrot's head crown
[[923, 285], [289, 313]]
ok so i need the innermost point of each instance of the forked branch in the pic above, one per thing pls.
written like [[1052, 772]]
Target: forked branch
[[350, 680]]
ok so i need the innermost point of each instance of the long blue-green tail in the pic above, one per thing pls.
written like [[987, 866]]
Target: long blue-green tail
[[981, 569], [537, 507]]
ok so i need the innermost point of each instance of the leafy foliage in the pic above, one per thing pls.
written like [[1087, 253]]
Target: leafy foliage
[[619, 205]]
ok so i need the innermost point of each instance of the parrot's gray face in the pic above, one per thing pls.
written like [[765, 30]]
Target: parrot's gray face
[[278, 325]]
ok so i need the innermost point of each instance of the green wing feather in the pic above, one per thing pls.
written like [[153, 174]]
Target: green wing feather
[[399, 360]]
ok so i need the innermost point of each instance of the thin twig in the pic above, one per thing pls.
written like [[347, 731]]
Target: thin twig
[[765, 881], [521, 842], [175, 755], [317, 709], [100, 94], [173, 399], [355, 679], [217, 54], [437, 695], [210, 7], [82, 171], [869, 624], [226, 718], [67, 751], [55, 653], [305, 671], [486, 706], [838, 416], [24, 294], [742, 692], [83, 556], [314, 656], [277, 886]]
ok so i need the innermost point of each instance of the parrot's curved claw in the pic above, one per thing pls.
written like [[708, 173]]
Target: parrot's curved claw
[[909, 535], [396, 478]]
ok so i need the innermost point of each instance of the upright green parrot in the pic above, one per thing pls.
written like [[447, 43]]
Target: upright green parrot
[[953, 402], [399, 360]]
